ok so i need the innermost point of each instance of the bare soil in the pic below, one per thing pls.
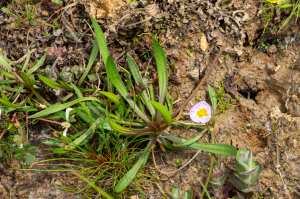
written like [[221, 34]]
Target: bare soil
[[264, 82]]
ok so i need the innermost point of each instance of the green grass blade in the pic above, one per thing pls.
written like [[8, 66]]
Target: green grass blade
[[138, 78], [111, 96], [213, 98], [222, 149], [168, 145], [194, 139], [93, 56], [86, 135], [163, 110], [103, 47], [161, 63], [126, 180], [60, 107], [4, 63], [7, 81], [27, 60], [8, 104], [113, 73], [38, 64], [94, 186], [52, 83]]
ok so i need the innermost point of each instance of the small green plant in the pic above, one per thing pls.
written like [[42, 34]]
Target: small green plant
[[189, 53], [26, 151], [25, 17], [177, 193], [282, 4], [217, 180], [248, 170], [224, 100], [264, 46]]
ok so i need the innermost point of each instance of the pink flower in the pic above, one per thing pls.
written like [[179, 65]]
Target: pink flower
[[201, 112]]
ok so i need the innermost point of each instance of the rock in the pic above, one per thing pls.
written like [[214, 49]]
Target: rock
[[194, 73], [203, 42], [272, 49]]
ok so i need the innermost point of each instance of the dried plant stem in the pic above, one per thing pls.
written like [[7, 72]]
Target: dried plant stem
[[22, 58], [211, 161], [164, 172], [54, 122], [199, 85]]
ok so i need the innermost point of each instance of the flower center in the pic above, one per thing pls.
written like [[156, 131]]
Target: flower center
[[202, 112]]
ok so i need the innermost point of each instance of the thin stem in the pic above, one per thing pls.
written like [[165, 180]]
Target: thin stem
[[54, 122], [199, 85], [211, 160]]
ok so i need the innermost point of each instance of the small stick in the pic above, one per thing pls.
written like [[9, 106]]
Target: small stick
[[22, 58], [164, 172], [42, 119], [199, 85]]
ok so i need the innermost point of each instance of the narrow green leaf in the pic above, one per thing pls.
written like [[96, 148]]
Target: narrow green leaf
[[93, 56], [126, 180], [111, 96], [285, 5], [38, 64], [7, 81], [103, 48], [8, 104], [170, 146], [193, 140], [77, 91], [52, 83], [163, 110], [5, 64], [161, 63], [213, 98], [222, 149], [54, 109], [27, 80], [100, 39], [113, 73], [52, 142], [9, 75], [4, 96], [138, 78], [27, 60], [86, 135], [122, 129]]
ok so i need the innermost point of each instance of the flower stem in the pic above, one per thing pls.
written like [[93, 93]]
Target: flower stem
[[211, 160]]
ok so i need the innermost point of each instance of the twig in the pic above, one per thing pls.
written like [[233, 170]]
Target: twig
[[164, 172], [54, 122], [200, 84], [22, 58]]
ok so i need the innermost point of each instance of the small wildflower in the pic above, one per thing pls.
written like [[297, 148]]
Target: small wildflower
[[201, 112]]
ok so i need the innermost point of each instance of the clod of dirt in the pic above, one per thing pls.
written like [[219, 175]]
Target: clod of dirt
[[110, 10]]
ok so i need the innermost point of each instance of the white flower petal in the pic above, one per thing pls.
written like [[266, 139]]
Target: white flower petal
[[68, 112], [65, 132]]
